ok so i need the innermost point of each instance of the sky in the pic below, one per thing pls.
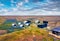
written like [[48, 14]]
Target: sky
[[29, 7]]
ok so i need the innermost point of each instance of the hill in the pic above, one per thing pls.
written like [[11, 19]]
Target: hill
[[31, 33]]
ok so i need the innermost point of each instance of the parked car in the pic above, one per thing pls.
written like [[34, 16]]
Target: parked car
[[27, 23], [37, 21], [43, 25], [56, 30]]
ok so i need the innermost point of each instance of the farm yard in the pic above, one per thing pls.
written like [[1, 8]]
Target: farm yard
[[14, 30]]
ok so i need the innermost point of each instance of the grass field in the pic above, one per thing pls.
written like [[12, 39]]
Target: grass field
[[31, 33]]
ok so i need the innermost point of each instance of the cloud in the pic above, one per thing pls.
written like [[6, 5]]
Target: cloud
[[47, 7], [36, 12], [53, 5]]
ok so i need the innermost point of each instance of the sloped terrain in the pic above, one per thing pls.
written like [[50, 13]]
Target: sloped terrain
[[31, 33]]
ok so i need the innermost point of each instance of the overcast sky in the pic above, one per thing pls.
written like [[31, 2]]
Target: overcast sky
[[29, 7]]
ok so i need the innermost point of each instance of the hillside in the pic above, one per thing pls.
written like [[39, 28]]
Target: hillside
[[31, 33]]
